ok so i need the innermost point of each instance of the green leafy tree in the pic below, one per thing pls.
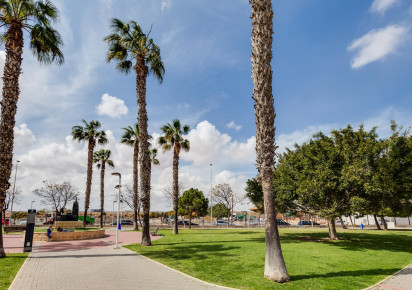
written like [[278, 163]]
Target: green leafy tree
[[219, 211], [262, 30], [255, 194], [101, 158], [173, 138], [89, 133], [35, 17], [131, 48], [193, 203]]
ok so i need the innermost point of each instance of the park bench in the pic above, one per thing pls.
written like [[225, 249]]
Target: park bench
[[154, 233], [11, 229]]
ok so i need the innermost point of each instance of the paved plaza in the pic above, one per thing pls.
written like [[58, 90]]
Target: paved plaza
[[95, 264]]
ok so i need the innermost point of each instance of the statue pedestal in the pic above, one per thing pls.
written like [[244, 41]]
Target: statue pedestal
[[68, 224]]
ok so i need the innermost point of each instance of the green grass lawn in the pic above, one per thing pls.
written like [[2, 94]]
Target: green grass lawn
[[235, 258], [9, 267]]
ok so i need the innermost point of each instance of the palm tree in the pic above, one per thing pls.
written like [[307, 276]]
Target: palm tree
[[153, 157], [131, 48], [173, 138], [262, 30], [101, 158], [90, 133], [131, 138], [35, 17]]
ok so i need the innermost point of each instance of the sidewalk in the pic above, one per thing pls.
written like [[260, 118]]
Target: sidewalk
[[401, 280], [98, 267]]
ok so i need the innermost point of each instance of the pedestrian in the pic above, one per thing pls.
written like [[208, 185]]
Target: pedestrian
[[49, 233]]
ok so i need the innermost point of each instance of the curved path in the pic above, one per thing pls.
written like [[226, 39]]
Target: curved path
[[95, 264]]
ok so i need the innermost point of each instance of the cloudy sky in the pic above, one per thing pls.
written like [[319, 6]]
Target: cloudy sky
[[335, 63]]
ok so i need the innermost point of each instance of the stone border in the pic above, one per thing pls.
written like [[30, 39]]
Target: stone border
[[70, 236]]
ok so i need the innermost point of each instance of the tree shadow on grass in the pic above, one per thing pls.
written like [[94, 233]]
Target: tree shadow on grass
[[191, 250], [355, 241], [356, 273]]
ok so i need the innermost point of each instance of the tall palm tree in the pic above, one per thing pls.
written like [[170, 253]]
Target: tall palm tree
[[101, 158], [131, 48], [90, 133], [262, 30], [130, 137], [35, 17], [173, 138]]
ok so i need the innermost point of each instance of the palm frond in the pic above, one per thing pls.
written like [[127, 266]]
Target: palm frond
[[45, 44]]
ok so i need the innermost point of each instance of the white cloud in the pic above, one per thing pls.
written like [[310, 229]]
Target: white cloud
[[377, 44], [380, 6], [166, 4], [183, 106], [232, 125], [112, 107], [23, 137]]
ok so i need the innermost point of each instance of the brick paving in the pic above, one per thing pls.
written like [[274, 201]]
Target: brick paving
[[13, 243], [95, 264], [400, 281]]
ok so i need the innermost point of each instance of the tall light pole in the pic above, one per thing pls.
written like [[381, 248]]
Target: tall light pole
[[211, 196], [14, 192], [113, 212], [118, 208], [32, 203]]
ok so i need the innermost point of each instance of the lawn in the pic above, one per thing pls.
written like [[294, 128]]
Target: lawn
[[235, 258], [9, 267]]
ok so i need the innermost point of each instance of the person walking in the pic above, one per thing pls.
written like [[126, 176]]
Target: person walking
[[49, 233]]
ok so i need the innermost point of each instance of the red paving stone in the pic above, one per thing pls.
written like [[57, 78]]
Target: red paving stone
[[14, 242], [125, 238]]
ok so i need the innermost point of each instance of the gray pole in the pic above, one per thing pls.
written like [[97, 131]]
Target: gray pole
[[118, 208], [211, 196], [14, 191]]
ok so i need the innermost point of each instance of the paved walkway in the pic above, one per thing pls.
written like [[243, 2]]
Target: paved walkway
[[13, 243], [402, 280], [95, 264]]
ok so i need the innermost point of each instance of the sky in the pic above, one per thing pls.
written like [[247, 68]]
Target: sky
[[335, 63]]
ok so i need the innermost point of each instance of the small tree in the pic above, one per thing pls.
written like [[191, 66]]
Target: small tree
[[219, 210], [57, 195], [193, 203], [168, 193], [223, 194], [128, 196], [11, 197]]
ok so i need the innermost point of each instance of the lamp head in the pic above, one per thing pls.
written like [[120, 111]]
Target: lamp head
[[116, 173]]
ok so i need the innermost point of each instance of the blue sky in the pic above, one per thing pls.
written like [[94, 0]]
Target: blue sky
[[335, 62]]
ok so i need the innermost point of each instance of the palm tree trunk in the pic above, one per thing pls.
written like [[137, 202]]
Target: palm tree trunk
[[141, 74], [262, 30], [176, 185], [376, 222], [11, 91], [333, 235], [135, 182], [89, 179], [102, 192]]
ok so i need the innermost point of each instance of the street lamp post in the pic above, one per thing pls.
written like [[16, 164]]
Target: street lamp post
[[113, 212], [14, 192], [118, 208], [32, 203], [211, 196]]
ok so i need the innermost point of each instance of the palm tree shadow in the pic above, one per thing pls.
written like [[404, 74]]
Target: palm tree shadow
[[357, 273]]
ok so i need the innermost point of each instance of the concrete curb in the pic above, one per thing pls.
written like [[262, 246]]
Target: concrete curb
[[18, 273], [380, 282], [177, 271]]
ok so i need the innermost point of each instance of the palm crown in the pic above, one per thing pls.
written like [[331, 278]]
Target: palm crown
[[130, 135], [102, 156], [173, 134], [153, 156], [35, 17], [127, 43], [89, 131]]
